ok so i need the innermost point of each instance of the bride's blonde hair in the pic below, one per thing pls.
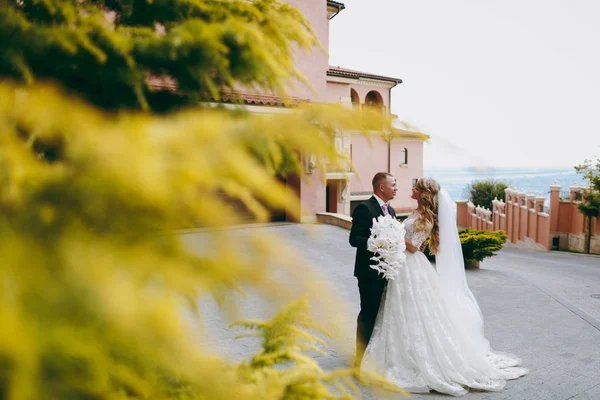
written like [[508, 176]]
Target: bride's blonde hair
[[428, 211]]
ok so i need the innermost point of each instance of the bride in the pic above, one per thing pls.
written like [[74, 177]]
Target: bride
[[429, 329]]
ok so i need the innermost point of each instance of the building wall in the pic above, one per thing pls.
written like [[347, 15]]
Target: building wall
[[368, 157], [337, 92], [406, 173], [313, 65], [313, 198], [371, 158]]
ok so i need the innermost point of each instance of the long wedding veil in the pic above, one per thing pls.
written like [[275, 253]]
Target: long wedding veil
[[462, 305]]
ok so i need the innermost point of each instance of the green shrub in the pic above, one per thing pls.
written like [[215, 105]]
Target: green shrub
[[477, 245], [483, 192]]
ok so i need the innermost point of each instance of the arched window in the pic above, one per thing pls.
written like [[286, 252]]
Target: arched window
[[354, 98], [404, 156], [374, 99]]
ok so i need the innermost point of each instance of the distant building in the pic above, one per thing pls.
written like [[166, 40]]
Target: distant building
[[399, 151]]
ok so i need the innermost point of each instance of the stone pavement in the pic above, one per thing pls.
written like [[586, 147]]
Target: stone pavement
[[540, 306]]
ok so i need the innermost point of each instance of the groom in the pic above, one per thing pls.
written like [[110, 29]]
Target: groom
[[370, 283]]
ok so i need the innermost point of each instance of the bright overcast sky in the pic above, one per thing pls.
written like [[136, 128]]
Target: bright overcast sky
[[495, 83]]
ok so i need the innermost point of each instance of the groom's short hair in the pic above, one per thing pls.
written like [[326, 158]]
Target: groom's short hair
[[379, 178]]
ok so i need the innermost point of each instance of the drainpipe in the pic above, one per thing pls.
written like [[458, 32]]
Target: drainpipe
[[390, 155], [389, 112]]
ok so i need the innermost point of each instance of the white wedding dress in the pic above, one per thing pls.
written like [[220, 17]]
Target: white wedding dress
[[429, 335]]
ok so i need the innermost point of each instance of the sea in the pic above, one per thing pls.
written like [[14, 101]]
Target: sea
[[529, 180]]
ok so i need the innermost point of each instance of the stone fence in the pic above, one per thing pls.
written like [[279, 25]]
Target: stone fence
[[527, 224]]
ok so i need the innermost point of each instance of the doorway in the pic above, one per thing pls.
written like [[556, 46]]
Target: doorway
[[331, 196]]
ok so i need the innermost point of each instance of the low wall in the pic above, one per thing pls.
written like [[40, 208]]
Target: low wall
[[343, 221], [527, 224]]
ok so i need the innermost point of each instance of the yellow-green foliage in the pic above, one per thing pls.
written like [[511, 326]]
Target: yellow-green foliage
[[285, 340], [104, 51], [477, 244], [94, 280]]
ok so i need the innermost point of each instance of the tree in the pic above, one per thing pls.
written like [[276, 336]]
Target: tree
[[94, 278], [104, 51], [483, 192], [590, 202]]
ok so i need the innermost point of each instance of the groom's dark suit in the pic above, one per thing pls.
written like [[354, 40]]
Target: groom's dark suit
[[370, 283]]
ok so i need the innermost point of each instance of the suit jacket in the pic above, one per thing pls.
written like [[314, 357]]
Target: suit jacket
[[362, 222]]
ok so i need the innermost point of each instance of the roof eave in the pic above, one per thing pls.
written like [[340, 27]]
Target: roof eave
[[335, 7], [357, 76]]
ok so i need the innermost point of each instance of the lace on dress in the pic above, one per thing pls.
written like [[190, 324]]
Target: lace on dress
[[416, 237]]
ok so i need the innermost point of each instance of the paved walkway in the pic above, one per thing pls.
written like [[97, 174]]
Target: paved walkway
[[544, 307]]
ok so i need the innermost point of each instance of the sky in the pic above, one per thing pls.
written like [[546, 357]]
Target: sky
[[511, 83]]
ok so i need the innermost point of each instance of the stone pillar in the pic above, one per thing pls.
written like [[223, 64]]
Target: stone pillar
[[502, 216], [541, 237], [508, 211], [523, 217], [530, 200], [539, 203], [495, 213], [530, 203], [462, 214], [516, 216], [470, 211], [487, 223], [554, 206]]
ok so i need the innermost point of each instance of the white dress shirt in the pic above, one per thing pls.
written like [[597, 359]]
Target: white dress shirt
[[381, 202]]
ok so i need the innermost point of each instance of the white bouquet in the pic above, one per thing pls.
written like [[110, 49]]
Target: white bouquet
[[387, 242]]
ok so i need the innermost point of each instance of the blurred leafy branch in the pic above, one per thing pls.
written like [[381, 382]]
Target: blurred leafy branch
[[92, 280], [108, 52], [94, 185]]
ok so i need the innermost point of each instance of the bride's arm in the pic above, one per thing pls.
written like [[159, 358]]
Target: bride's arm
[[411, 248]]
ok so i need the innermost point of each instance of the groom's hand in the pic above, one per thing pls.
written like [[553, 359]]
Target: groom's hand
[[423, 246]]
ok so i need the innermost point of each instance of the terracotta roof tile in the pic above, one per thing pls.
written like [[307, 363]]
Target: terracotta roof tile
[[167, 83], [259, 99]]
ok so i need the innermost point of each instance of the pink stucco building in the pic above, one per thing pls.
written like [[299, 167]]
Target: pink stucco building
[[398, 151], [394, 150]]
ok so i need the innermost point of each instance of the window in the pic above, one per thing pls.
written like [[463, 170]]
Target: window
[[374, 99], [404, 156], [354, 98]]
